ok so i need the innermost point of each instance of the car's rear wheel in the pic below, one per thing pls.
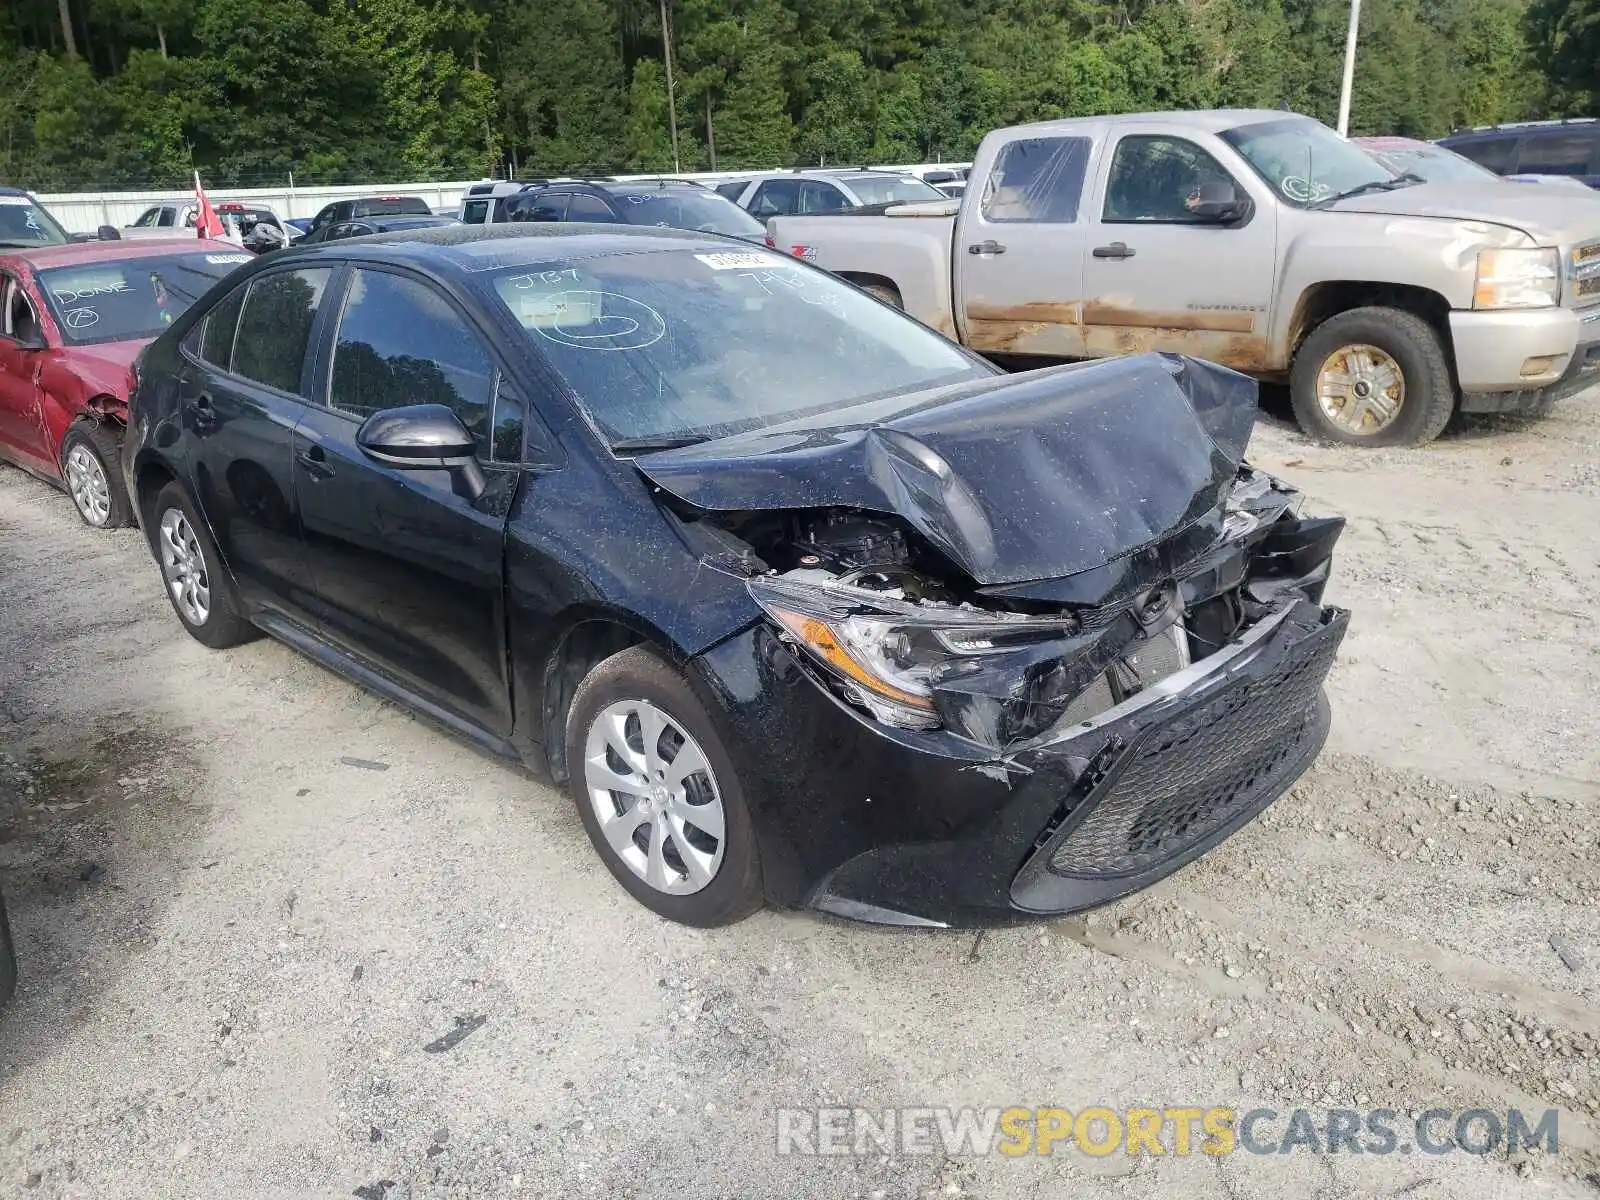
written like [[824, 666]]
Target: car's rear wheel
[[91, 467], [197, 584], [659, 794], [885, 292], [1373, 377]]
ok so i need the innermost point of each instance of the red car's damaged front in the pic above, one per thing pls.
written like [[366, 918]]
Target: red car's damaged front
[[73, 318]]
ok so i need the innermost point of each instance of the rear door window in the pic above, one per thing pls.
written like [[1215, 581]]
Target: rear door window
[[589, 208], [776, 198], [1496, 153], [1037, 180], [547, 206], [475, 212], [816, 197], [1556, 153], [166, 217], [275, 326]]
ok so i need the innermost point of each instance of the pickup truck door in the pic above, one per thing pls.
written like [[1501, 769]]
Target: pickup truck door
[[1019, 250], [1158, 277]]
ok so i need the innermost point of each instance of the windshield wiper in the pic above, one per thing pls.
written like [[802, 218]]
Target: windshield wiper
[[1376, 185], [651, 445]]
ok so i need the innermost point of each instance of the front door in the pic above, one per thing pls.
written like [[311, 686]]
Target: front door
[[409, 574], [1160, 278], [22, 437], [1019, 250], [240, 390]]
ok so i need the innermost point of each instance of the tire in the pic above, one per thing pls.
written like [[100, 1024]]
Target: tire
[[197, 584], [885, 292], [619, 694], [1427, 393], [91, 468]]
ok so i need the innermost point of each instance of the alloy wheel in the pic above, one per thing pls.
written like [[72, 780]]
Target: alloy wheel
[[183, 566], [655, 797], [1361, 389], [87, 482]]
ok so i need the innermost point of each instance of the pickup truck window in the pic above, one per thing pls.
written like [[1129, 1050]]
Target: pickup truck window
[[1157, 179], [1304, 161], [1037, 180], [776, 198]]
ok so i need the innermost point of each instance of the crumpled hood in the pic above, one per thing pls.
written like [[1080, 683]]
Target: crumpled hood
[[1016, 477], [1548, 215]]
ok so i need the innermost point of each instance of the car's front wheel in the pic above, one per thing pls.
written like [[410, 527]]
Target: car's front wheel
[[196, 583], [91, 467], [659, 794]]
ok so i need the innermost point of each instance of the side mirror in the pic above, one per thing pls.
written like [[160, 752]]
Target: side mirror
[[422, 437], [1219, 203], [109, 233]]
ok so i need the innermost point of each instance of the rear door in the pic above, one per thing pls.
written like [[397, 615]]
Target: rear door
[[1019, 249], [242, 384], [1157, 276], [408, 574]]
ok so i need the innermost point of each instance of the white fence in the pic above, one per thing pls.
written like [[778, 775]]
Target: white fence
[[84, 212]]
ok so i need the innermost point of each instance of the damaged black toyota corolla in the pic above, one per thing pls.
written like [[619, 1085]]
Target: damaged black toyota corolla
[[804, 603]]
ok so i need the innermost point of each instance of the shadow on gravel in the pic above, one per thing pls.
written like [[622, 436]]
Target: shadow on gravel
[[91, 821]]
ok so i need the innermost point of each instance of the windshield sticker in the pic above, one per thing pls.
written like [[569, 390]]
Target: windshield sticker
[[589, 320], [741, 260], [80, 318], [227, 258]]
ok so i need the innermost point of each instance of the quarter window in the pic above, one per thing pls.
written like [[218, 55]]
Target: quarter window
[[1556, 154], [1037, 180], [216, 346], [275, 327], [400, 342], [1158, 179]]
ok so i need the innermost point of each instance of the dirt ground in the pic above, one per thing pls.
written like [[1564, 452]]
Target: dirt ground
[[241, 950]]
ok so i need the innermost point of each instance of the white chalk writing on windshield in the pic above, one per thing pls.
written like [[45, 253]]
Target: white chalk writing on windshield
[[524, 282], [73, 296], [797, 284], [593, 320], [80, 318]]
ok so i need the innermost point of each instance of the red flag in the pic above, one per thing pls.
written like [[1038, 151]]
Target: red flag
[[209, 225]]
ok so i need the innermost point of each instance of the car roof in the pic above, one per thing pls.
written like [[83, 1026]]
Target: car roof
[[1209, 120], [470, 249], [1392, 143], [1584, 124], [76, 253]]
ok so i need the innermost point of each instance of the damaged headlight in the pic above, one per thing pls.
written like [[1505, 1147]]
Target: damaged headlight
[[886, 654]]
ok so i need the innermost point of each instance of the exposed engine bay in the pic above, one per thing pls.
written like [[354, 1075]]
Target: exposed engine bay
[[890, 625]]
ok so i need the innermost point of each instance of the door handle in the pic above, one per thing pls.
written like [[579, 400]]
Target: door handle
[[315, 463], [1115, 250], [989, 247]]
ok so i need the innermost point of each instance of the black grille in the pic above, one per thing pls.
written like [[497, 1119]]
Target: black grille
[[1195, 774]]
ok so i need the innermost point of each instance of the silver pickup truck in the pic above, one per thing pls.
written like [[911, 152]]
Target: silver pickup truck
[[1257, 239]]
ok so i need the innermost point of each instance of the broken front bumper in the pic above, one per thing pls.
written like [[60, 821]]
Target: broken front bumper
[[1107, 807]]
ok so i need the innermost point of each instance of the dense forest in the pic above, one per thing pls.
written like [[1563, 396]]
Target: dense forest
[[124, 93]]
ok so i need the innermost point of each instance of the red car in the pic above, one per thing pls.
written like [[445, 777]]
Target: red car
[[72, 320]]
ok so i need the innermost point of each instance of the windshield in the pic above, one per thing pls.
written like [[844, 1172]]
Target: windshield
[[892, 189], [677, 345], [1304, 161], [134, 298], [24, 223], [1434, 164], [687, 208]]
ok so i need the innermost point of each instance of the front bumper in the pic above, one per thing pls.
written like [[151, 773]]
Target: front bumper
[[901, 828], [1524, 361]]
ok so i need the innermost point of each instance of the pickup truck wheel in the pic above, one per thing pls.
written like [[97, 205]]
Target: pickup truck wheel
[[1372, 377], [884, 292]]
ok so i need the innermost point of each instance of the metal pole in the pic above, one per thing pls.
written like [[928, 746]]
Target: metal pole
[[672, 94], [1349, 67]]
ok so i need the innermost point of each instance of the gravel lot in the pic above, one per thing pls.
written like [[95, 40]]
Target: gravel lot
[[240, 950]]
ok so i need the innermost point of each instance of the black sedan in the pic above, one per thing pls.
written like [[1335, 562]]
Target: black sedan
[[333, 231], [802, 602]]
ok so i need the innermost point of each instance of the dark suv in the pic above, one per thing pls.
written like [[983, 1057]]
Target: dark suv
[[665, 203], [369, 206], [1570, 148]]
